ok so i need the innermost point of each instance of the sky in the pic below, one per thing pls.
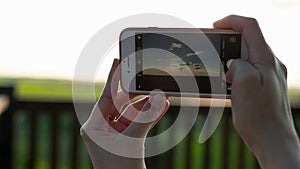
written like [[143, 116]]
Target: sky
[[44, 39]]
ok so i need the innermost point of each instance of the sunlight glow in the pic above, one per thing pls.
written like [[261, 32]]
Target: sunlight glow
[[44, 39]]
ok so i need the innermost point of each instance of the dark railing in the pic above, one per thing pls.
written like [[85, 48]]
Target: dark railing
[[51, 113], [215, 150], [46, 135]]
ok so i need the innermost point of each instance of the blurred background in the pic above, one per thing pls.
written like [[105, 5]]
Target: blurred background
[[41, 42]]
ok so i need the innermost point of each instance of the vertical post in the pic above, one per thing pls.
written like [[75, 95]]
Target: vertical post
[[33, 139], [6, 130], [54, 133], [188, 151], [74, 147], [241, 163], [226, 136]]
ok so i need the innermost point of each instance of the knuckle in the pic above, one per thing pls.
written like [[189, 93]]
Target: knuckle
[[272, 61], [83, 131], [284, 69], [252, 21]]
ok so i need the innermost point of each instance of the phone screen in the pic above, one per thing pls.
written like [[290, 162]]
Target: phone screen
[[161, 70]]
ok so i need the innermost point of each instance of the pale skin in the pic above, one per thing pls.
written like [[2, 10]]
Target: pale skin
[[109, 106], [261, 111], [260, 107]]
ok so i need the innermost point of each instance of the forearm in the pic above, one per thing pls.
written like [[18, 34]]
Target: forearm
[[284, 159], [283, 153]]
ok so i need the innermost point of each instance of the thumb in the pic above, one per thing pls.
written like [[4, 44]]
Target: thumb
[[151, 112], [243, 76], [240, 71]]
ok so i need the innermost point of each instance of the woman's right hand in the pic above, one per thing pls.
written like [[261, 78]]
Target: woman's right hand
[[260, 105]]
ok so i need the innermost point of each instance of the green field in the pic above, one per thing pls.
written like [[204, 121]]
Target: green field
[[48, 89], [61, 90]]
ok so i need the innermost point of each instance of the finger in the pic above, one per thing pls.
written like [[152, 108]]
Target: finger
[[229, 75], [241, 74], [247, 26], [258, 51], [119, 102], [105, 102], [123, 98], [163, 113], [282, 68], [154, 108], [127, 117], [111, 86], [131, 111], [101, 110], [123, 120]]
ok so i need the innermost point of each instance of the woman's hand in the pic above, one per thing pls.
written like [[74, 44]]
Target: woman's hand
[[260, 105], [116, 130]]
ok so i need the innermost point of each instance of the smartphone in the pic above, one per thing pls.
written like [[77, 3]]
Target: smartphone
[[178, 61]]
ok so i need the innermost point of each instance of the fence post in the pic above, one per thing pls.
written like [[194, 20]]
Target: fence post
[[6, 128]]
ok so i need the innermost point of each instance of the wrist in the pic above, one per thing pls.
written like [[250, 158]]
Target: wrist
[[278, 149], [112, 161], [103, 159], [284, 157]]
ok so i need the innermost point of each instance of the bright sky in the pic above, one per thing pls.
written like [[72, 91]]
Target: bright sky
[[44, 38]]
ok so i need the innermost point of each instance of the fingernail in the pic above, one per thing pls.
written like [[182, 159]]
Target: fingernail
[[157, 98]]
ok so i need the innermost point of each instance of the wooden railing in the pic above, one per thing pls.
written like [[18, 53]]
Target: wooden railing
[[46, 135]]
